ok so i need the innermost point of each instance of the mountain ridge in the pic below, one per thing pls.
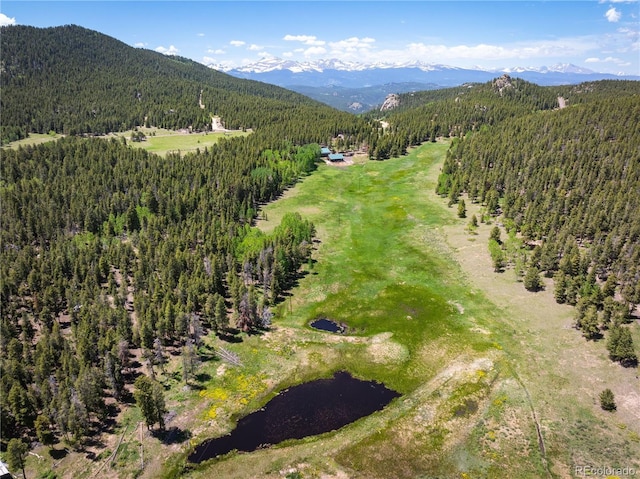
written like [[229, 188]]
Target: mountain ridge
[[270, 64], [329, 72]]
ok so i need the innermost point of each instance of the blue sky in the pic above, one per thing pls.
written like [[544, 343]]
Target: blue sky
[[600, 35]]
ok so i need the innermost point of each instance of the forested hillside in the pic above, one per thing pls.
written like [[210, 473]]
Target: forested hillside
[[425, 116], [569, 181], [75, 81], [112, 256]]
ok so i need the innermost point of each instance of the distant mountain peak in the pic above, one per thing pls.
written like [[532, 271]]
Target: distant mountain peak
[[352, 74]]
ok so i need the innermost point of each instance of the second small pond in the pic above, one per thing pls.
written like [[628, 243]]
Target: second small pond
[[324, 324]]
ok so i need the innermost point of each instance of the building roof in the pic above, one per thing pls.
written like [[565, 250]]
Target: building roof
[[325, 151], [336, 157], [4, 471]]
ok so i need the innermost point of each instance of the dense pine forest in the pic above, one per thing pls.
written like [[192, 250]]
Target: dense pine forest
[[107, 249], [568, 182]]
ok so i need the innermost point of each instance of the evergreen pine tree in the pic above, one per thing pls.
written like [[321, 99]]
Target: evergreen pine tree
[[17, 455], [607, 400], [532, 281], [462, 209]]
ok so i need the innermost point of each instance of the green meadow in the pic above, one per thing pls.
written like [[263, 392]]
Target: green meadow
[[381, 267], [34, 139]]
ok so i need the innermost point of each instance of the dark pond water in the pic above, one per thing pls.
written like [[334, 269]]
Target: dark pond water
[[325, 324], [305, 410]]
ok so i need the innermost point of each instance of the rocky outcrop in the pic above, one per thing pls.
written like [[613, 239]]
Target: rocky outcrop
[[392, 101], [502, 83]]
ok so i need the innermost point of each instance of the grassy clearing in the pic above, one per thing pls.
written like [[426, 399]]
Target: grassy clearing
[[377, 270], [159, 141], [559, 374], [162, 142], [34, 139]]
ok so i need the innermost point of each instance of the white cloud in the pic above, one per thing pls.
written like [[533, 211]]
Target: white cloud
[[314, 51], [631, 35], [4, 20], [140, 45], [613, 15], [218, 51], [287, 54], [168, 51], [200, 34], [352, 44], [236, 43], [563, 47], [616, 61], [306, 39], [255, 48]]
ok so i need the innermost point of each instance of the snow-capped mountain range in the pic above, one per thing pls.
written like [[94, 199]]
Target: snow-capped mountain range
[[277, 64], [357, 86]]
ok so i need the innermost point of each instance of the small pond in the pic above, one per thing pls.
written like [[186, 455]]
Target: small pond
[[308, 409], [325, 324]]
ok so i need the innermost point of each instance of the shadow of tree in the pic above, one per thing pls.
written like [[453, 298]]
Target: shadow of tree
[[202, 377], [57, 454], [172, 435]]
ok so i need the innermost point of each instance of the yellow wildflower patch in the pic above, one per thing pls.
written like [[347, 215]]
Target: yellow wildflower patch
[[217, 394]]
